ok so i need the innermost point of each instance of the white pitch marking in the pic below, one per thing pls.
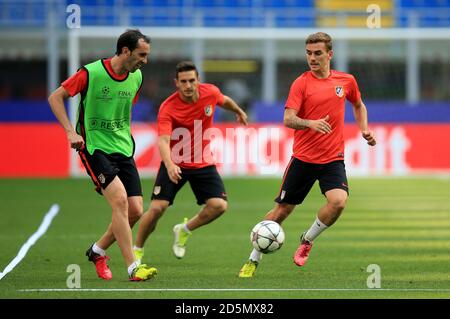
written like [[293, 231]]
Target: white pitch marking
[[32, 240], [230, 289]]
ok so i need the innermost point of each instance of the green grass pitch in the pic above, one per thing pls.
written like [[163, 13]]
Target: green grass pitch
[[400, 224]]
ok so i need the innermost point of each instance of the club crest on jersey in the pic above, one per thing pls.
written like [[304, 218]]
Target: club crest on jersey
[[208, 110], [101, 178], [339, 90]]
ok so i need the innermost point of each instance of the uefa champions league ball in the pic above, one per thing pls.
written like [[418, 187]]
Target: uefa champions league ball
[[267, 236]]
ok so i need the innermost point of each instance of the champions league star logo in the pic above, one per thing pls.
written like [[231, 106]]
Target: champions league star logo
[[105, 94], [339, 91], [105, 90]]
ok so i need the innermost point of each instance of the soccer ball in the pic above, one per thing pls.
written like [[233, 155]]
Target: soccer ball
[[267, 236]]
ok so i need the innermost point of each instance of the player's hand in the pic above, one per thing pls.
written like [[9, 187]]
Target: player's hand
[[242, 118], [368, 136], [321, 125], [75, 140], [174, 172]]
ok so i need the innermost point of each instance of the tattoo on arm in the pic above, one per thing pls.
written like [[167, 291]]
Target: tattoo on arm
[[296, 123], [302, 124]]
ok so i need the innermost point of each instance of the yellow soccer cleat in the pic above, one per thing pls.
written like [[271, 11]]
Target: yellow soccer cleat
[[248, 270], [181, 237], [143, 272]]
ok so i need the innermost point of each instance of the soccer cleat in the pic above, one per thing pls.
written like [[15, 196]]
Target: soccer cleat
[[138, 254], [143, 272], [101, 265], [248, 270], [302, 253], [181, 236]]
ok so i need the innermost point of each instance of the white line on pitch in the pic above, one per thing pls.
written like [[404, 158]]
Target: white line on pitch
[[32, 240], [231, 289]]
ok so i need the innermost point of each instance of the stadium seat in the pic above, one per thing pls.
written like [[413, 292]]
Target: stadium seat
[[233, 13]]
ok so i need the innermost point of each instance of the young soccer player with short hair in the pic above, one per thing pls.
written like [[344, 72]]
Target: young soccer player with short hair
[[315, 109], [186, 156]]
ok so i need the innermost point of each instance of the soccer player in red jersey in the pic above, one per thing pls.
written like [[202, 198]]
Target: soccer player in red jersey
[[315, 110], [183, 119]]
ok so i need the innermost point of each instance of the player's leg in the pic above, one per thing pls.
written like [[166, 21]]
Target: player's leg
[[135, 208], [333, 184], [128, 174], [209, 190], [212, 210], [148, 222], [278, 214], [296, 184], [330, 212], [102, 171], [163, 195], [147, 225], [116, 196]]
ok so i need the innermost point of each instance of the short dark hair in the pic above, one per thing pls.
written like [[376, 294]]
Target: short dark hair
[[320, 37], [184, 66], [130, 39]]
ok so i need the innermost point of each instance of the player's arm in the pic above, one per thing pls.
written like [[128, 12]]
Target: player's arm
[[360, 113], [231, 105], [173, 170], [291, 120], [56, 101]]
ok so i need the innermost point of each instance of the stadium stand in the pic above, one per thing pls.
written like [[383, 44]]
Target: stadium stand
[[234, 13]]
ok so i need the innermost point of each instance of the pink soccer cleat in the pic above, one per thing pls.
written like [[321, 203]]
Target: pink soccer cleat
[[101, 265], [302, 253]]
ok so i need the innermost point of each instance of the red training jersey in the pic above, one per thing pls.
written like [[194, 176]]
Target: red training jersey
[[186, 123], [78, 82], [314, 99]]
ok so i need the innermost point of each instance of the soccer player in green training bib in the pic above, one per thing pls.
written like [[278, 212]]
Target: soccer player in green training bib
[[108, 89]]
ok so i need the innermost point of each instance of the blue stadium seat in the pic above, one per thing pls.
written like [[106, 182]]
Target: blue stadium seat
[[427, 12], [233, 21], [140, 3], [224, 3], [289, 3], [302, 22], [157, 3], [92, 2], [424, 3], [17, 12], [431, 13]]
